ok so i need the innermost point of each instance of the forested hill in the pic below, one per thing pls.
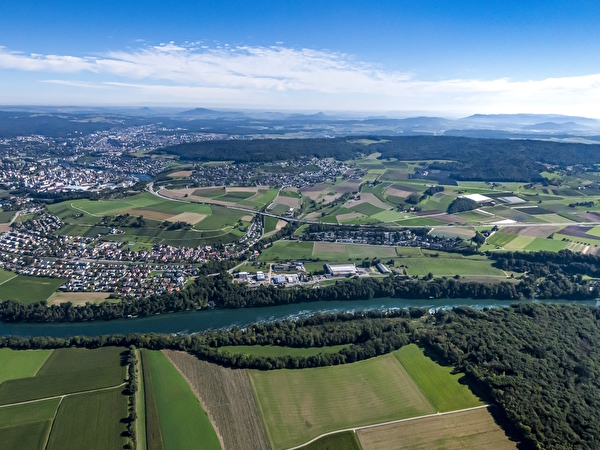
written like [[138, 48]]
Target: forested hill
[[473, 159]]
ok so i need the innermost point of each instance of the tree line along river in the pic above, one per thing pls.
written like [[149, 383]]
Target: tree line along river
[[197, 321]]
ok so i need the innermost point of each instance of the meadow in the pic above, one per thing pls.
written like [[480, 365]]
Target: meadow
[[25, 289], [15, 364], [183, 422], [439, 385], [298, 405]]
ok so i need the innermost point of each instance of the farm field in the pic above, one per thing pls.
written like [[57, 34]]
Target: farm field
[[101, 411], [298, 405], [287, 250], [154, 439], [464, 430], [6, 275], [183, 422], [270, 223], [212, 224], [26, 426], [339, 441], [25, 289], [78, 298], [438, 383], [15, 364], [227, 397], [275, 350], [67, 371], [459, 266], [35, 376]]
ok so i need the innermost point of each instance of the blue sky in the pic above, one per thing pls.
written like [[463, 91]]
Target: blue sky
[[452, 57]]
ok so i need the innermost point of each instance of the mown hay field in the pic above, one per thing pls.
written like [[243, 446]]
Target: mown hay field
[[227, 396], [299, 405], [472, 429], [438, 383], [67, 371], [91, 421], [183, 422], [15, 364]]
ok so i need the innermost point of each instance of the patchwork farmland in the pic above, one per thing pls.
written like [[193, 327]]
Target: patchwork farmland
[[64, 390]]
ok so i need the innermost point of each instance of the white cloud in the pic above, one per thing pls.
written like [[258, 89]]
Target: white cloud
[[284, 77]]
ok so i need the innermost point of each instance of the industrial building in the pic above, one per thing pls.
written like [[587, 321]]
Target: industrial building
[[341, 269]]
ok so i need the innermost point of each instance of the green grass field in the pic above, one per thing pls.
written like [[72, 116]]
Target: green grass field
[[549, 245], [28, 290], [140, 405], [275, 350], [67, 371], [6, 216], [340, 441], [154, 439], [15, 364], [6, 275], [298, 405], [221, 217], [279, 209], [287, 250], [26, 426], [438, 384], [183, 422], [270, 223], [500, 239], [91, 421], [367, 209], [450, 267]]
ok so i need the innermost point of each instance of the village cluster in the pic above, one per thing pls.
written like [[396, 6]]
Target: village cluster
[[297, 173]]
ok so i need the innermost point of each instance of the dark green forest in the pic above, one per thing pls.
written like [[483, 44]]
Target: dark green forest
[[473, 158]]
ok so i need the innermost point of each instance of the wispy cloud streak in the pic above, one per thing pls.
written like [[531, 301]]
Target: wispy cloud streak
[[281, 74]]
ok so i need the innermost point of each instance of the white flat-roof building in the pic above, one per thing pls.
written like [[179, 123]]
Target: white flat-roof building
[[477, 198], [243, 275], [260, 276], [279, 279], [341, 269]]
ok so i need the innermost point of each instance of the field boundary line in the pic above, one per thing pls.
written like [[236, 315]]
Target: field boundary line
[[392, 422], [63, 396], [6, 281], [199, 397], [52, 424], [84, 211]]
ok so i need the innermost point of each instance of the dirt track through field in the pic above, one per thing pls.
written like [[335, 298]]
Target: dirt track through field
[[226, 395], [467, 429]]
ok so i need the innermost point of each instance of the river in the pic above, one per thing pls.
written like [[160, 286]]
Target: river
[[196, 321]]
